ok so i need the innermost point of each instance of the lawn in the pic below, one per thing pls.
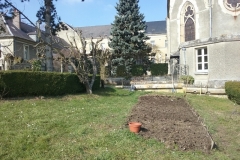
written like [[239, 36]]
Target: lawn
[[93, 127]]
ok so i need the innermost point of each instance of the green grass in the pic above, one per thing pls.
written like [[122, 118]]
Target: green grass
[[94, 127]]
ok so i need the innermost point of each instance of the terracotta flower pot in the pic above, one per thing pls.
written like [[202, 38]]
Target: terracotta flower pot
[[134, 126]]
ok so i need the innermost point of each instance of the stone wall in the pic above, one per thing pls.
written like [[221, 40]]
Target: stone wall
[[218, 32], [224, 60], [21, 66]]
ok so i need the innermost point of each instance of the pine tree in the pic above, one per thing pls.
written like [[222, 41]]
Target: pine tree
[[48, 14], [128, 36]]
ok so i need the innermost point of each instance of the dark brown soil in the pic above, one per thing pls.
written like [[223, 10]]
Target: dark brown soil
[[172, 121]]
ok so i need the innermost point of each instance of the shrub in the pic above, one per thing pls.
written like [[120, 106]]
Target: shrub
[[159, 69], [121, 71], [187, 79], [23, 83], [232, 89], [137, 70], [36, 64]]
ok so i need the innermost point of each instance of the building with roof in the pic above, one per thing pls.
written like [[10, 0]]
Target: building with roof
[[156, 31], [204, 38], [20, 42], [17, 39]]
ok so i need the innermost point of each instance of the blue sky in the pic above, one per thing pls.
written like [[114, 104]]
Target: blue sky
[[92, 12]]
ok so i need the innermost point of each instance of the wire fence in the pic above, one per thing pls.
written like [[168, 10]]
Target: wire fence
[[178, 70]]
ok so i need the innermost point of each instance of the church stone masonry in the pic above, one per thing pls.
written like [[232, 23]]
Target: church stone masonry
[[205, 36]]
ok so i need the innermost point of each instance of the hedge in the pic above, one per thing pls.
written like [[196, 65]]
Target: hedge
[[232, 89], [121, 71], [137, 70], [159, 69], [25, 83], [187, 79]]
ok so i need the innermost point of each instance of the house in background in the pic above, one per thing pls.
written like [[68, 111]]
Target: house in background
[[96, 32], [204, 37], [20, 42], [17, 39], [156, 31]]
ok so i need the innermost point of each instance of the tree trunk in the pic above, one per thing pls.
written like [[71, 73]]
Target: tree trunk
[[48, 48], [94, 65], [102, 74], [88, 88]]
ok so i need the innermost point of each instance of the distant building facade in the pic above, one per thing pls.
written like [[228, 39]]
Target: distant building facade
[[156, 31], [17, 40], [20, 43]]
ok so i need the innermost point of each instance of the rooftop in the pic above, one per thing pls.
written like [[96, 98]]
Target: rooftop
[[154, 27]]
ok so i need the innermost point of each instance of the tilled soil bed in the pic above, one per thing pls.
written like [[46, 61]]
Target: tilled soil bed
[[172, 121]]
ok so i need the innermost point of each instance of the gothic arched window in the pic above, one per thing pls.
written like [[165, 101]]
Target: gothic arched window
[[232, 5], [189, 21]]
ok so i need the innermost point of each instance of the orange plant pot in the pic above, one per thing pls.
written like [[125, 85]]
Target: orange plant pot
[[134, 127]]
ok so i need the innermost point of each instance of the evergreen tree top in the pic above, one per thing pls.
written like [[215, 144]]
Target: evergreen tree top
[[128, 36], [129, 17]]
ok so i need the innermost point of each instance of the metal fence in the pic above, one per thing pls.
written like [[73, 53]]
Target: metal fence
[[178, 70]]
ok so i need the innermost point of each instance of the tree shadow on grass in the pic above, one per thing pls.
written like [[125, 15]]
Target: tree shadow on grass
[[107, 91]]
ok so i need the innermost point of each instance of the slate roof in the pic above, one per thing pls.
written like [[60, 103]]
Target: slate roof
[[95, 31], [154, 27], [5, 32], [13, 31], [27, 28], [23, 32]]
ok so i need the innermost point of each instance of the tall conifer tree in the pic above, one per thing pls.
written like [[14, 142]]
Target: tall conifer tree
[[128, 36]]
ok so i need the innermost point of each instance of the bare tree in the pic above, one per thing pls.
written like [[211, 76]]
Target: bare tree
[[103, 57], [74, 53], [155, 53], [84, 65]]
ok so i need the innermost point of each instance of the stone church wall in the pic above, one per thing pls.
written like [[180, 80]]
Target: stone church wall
[[222, 41], [224, 22], [224, 62]]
